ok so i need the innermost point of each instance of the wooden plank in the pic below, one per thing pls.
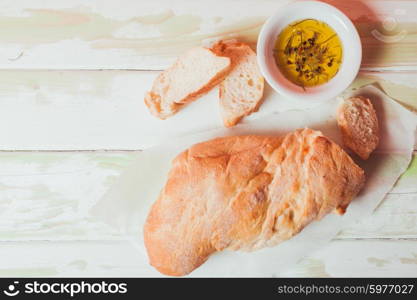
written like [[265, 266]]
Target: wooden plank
[[46, 196], [374, 258], [68, 259], [360, 258], [88, 110], [101, 34], [93, 110], [395, 217]]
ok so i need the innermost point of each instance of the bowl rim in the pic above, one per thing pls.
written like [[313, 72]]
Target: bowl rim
[[351, 59]]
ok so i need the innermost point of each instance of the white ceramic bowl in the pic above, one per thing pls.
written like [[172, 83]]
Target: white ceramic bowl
[[352, 49]]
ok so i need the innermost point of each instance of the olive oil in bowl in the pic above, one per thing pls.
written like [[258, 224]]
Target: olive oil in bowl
[[308, 53]]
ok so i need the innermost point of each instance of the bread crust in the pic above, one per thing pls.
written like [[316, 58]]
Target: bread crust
[[246, 193], [358, 123]]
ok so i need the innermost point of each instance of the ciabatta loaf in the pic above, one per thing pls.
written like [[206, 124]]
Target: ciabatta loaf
[[358, 123], [241, 91], [192, 75], [245, 193]]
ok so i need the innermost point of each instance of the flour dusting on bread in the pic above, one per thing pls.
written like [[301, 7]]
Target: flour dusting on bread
[[245, 193]]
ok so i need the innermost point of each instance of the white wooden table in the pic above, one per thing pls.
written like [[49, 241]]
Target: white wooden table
[[73, 74]]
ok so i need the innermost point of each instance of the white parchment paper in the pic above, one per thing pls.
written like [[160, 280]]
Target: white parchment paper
[[126, 205]]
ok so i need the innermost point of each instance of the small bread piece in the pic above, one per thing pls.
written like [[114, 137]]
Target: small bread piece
[[358, 123], [246, 193], [192, 75], [242, 90]]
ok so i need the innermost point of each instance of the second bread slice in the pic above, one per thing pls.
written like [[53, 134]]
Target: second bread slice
[[241, 91]]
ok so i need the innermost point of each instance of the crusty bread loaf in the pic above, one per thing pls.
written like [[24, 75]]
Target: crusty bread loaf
[[358, 123], [241, 91], [192, 75], [245, 193]]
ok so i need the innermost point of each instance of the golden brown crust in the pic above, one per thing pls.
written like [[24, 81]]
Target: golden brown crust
[[358, 123], [245, 193]]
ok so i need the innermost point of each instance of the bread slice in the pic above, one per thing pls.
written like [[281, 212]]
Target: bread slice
[[242, 90], [192, 75], [358, 123]]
